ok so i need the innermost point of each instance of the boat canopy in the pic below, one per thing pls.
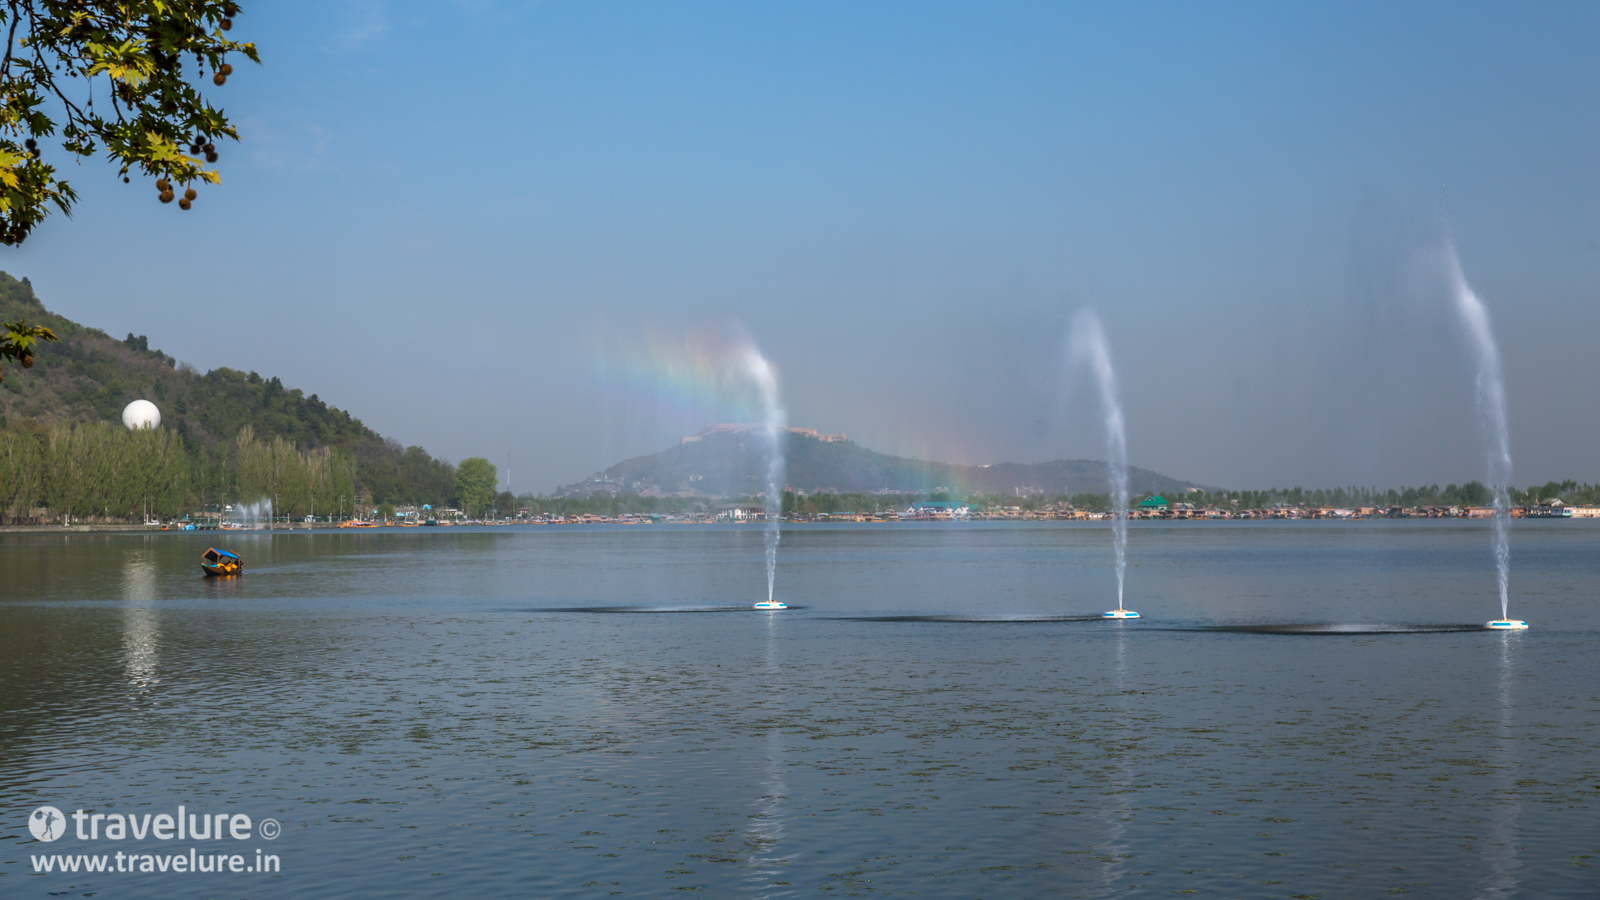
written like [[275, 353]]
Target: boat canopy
[[213, 555]]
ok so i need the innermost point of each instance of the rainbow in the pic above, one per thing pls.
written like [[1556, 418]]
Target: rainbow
[[699, 376]]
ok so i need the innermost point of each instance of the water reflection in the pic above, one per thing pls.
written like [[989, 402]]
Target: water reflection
[[1505, 800], [1113, 851], [764, 834], [141, 633], [352, 676]]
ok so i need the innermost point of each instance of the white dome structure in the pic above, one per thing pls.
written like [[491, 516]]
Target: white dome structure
[[141, 414]]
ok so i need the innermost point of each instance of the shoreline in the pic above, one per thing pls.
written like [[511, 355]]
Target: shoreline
[[392, 529]]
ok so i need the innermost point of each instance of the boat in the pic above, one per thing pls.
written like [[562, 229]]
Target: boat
[[772, 604], [221, 562]]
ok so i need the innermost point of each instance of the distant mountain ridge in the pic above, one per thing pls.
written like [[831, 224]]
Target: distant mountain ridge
[[734, 464]]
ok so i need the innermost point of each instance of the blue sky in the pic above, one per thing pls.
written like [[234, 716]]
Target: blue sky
[[461, 220]]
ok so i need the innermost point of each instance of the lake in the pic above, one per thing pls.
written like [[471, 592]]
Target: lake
[[594, 711]]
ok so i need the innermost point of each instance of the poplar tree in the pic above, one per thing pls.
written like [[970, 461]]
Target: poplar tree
[[476, 479]]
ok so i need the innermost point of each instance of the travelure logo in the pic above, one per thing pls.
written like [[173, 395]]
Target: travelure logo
[[47, 823], [202, 832]]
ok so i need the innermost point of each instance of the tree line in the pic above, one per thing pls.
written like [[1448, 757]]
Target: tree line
[[100, 472], [1472, 493], [92, 471]]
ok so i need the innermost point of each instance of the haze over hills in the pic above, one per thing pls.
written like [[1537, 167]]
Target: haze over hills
[[733, 463], [88, 376]]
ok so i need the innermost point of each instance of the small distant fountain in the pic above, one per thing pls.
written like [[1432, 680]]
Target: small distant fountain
[[760, 371], [1088, 345], [252, 515], [1490, 388]]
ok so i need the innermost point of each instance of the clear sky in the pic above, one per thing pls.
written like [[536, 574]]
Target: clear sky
[[492, 228]]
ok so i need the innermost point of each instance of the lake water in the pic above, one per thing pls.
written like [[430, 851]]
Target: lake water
[[456, 712]]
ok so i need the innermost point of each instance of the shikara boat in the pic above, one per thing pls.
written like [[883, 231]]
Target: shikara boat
[[221, 562]]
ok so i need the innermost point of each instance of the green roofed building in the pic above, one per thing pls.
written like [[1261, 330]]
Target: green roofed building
[[1155, 502]]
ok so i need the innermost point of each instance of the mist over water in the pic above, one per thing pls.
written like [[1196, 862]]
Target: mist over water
[[1089, 347], [773, 424], [1490, 392]]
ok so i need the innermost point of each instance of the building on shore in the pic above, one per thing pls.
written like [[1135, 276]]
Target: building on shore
[[742, 427], [741, 512]]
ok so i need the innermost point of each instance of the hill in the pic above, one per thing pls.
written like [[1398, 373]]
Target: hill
[[89, 376], [734, 464]]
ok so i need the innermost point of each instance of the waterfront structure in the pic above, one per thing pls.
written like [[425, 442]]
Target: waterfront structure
[[741, 512], [741, 427]]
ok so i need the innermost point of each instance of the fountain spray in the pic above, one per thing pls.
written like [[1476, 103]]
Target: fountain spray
[[1490, 390], [251, 515], [760, 372], [1088, 345]]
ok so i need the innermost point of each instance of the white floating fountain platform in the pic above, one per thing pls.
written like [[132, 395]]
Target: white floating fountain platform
[[1119, 614], [1506, 625], [775, 604]]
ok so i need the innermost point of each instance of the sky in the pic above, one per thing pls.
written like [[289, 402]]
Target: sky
[[524, 230]]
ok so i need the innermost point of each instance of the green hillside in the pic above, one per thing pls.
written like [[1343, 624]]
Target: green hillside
[[88, 377], [734, 464]]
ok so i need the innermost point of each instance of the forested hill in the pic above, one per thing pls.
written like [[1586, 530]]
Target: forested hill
[[734, 463], [89, 376]]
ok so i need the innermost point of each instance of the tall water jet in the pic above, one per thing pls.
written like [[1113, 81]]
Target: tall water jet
[[761, 374], [1088, 346], [1490, 392]]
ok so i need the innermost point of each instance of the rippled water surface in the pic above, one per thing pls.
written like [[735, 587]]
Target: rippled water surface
[[1305, 710]]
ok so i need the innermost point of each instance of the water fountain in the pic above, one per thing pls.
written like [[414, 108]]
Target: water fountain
[[251, 515], [1088, 346], [1490, 388], [760, 372]]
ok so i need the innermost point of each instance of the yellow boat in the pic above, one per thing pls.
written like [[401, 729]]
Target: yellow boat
[[221, 563]]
